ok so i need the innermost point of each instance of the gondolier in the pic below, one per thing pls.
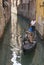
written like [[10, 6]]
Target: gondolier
[[32, 24], [29, 40]]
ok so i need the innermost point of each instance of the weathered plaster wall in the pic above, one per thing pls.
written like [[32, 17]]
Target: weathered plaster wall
[[39, 9], [2, 21], [28, 9], [4, 16], [40, 17], [32, 9], [0, 1], [7, 11]]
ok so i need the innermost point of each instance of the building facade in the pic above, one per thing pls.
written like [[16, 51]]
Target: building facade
[[5, 9], [40, 16], [27, 8]]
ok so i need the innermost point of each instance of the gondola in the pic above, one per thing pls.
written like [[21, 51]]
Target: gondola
[[27, 45]]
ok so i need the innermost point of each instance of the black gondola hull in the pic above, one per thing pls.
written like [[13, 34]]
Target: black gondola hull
[[29, 47]]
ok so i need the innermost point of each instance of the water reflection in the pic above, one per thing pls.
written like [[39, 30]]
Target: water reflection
[[26, 59], [5, 52], [22, 59], [16, 59]]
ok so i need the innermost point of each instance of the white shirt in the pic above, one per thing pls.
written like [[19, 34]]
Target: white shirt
[[33, 23]]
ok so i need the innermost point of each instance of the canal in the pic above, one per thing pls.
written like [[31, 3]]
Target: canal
[[10, 54]]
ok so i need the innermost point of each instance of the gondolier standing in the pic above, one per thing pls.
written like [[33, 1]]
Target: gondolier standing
[[32, 24], [29, 40], [32, 30]]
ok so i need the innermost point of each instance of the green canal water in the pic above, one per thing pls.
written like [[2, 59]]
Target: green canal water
[[9, 57]]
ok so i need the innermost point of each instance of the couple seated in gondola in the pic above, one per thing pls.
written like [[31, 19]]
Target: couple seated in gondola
[[31, 32]]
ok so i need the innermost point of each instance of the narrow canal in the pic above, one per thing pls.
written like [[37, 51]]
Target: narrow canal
[[11, 55]]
